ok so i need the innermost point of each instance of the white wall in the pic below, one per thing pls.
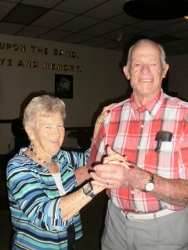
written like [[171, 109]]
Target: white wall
[[99, 82]]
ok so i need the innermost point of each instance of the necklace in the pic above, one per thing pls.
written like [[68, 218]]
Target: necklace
[[32, 152]]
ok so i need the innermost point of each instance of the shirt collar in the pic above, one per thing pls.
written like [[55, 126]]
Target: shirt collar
[[149, 106]]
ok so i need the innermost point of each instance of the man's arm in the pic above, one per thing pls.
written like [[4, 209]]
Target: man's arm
[[116, 172], [174, 192]]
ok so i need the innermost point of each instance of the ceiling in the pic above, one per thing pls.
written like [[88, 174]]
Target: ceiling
[[95, 23]]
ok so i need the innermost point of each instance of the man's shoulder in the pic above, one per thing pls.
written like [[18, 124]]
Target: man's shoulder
[[176, 102], [123, 104]]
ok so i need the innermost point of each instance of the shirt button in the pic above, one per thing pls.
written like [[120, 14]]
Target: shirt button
[[142, 126], [132, 192]]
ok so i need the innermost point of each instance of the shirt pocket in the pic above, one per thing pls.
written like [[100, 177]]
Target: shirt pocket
[[167, 146]]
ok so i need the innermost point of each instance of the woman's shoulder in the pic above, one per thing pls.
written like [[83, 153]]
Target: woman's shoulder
[[19, 157], [20, 162]]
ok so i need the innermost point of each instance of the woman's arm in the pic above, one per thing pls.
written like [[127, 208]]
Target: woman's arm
[[30, 200], [99, 121], [72, 203], [82, 173]]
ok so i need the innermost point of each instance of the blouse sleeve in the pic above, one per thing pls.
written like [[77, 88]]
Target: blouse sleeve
[[78, 159], [29, 201]]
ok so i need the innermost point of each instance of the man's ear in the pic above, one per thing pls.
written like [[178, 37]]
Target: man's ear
[[126, 72], [29, 132], [165, 70]]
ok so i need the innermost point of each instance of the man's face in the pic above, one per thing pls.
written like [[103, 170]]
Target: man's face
[[146, 70]]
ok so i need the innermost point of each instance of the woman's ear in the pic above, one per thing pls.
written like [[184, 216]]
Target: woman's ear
[[126, 72], [29, 132]]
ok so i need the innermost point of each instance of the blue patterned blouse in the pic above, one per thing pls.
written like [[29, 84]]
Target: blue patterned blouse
[[34, 201]]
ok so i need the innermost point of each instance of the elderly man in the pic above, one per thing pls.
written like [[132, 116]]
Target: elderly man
[[148, 187]]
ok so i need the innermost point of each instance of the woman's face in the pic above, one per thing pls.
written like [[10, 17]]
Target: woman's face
[[48, 134]]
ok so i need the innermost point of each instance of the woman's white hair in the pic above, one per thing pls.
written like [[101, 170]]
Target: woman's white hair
[[142, 41], [43, 105]]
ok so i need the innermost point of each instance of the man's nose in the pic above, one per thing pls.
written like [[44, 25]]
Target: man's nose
[[145, 69]]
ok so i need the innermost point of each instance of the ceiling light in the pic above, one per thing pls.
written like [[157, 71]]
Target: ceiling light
[[156, 9]]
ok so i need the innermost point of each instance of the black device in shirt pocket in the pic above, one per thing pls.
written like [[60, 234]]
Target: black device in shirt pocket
[[162, 136]]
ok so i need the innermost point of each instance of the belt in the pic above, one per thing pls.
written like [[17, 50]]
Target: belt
[[148, 216]]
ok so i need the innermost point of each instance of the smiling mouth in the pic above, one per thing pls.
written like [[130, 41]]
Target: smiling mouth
[[54, 141], [146, 80]]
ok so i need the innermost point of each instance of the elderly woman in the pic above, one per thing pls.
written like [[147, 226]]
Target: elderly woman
[[43, 181]]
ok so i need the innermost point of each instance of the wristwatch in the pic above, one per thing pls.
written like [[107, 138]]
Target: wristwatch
[[150, 185], [88, 190]]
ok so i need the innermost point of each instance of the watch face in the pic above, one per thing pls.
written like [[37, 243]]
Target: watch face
[[87, 188], [149, 186]]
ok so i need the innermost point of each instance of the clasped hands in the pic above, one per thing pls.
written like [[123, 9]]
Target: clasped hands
[[115, 172]]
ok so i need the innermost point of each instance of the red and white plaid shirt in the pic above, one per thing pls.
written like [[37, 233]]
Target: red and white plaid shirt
[[131, 131]]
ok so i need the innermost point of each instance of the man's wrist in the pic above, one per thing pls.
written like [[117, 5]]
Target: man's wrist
[[150, 184]]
